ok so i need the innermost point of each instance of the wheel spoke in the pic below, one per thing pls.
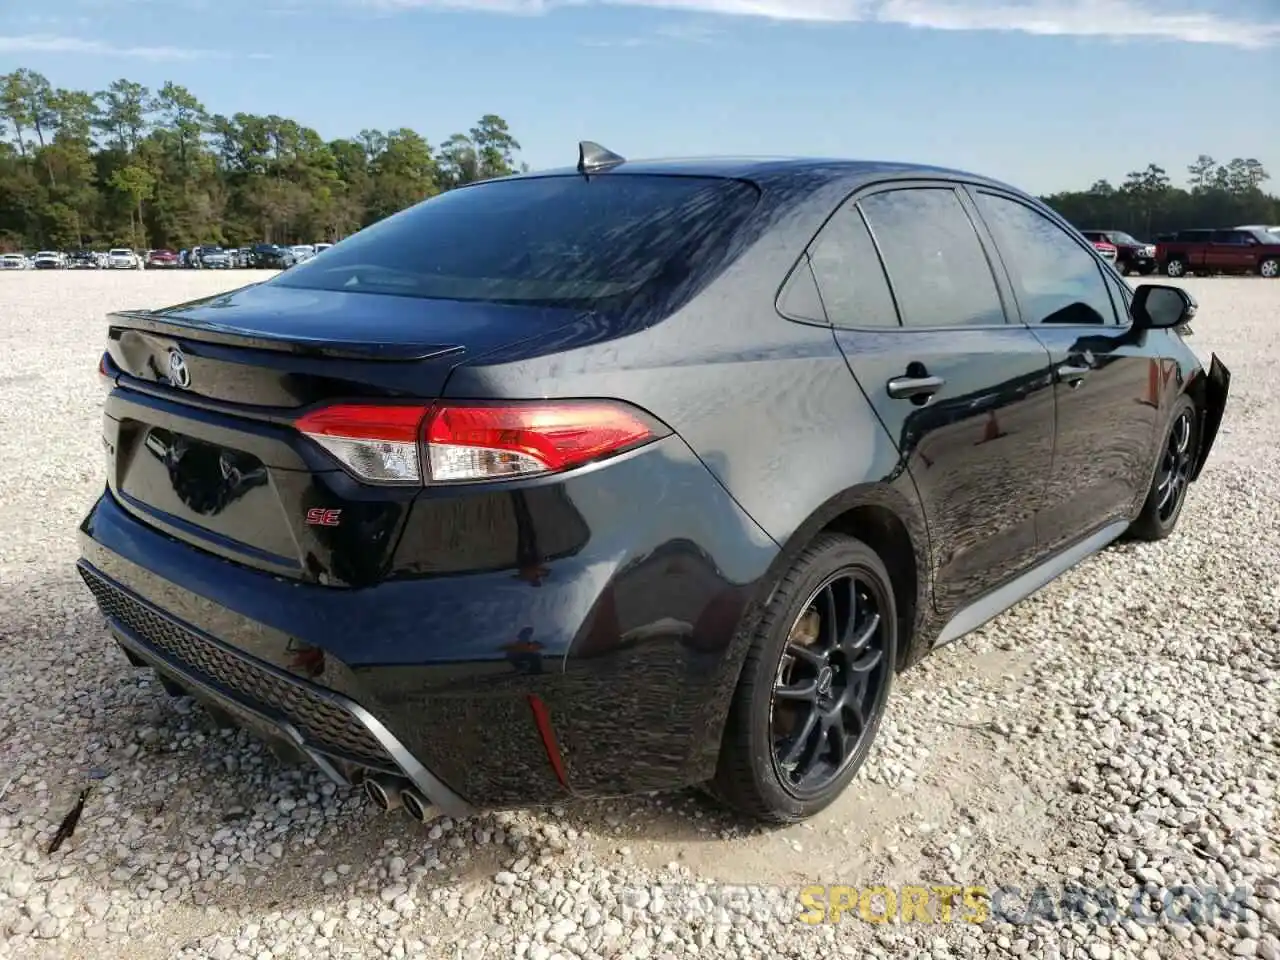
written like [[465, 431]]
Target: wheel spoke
[[854, 709], [829, 632], [807, 654], [833, 733], [1184, 434], [868, 660], [857, 642], [796, 747], [804, 690]]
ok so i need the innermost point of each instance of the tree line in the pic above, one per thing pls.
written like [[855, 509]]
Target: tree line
[[141, 168], [154, 169], [1148, 203]]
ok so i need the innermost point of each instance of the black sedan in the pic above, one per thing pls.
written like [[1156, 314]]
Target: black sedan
[[269, 256], [633, 475], [82, 260]]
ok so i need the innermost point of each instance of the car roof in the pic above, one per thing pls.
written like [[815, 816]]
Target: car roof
[[766, 170]]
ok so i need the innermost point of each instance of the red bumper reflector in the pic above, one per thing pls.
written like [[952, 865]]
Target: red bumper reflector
[[542, 720]]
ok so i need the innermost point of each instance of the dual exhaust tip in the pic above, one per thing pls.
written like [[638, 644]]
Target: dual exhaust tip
[[392, 793]]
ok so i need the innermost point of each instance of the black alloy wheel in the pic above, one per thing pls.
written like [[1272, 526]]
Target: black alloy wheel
[[1174, 466], [814, 686], [828, 682], [1174, 473]]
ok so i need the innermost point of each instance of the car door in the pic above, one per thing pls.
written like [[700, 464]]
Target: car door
[[1228, 251], [1107, 379], [1197, 249], [966, 395]]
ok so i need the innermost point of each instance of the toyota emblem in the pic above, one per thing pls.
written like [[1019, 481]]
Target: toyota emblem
[[179, 374]]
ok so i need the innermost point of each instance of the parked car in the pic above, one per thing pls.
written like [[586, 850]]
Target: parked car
[[82, 260], [322, 247], [798, 473], [162, 259], [269, 256], [211, 258], [1220, 251], [48, 260], [13, 261], [120, 258], [1132, 256], [302, 252]]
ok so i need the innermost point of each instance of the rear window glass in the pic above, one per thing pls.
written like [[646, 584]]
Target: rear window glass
[[548, 240]]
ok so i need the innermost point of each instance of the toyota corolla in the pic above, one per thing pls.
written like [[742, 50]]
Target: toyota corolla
[[632, 475]]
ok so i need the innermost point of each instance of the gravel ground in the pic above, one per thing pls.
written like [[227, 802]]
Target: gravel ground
[[1117, 731]]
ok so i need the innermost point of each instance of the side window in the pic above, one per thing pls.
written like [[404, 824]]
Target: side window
[[934, 258], [1057, 281], [1121, 298], [800, 299], [849, 273]]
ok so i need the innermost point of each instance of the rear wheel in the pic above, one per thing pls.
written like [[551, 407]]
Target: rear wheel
[[1269, 268], [1168, 490], [814, 686]]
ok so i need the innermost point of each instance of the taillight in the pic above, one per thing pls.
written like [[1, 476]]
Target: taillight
[[374, 442], [463, 442]]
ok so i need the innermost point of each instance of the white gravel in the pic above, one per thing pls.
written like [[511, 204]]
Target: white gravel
[[1117, 731]]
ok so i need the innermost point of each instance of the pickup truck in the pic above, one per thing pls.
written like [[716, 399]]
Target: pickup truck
[[1132, 256], [1219, 251]]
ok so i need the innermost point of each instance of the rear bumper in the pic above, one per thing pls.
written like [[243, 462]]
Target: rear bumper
[[625, 689], [332, 731]]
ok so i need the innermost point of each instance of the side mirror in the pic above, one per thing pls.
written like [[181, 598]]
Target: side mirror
[[1158, 306]]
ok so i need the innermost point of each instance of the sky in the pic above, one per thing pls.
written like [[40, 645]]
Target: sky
[[1045, 94]]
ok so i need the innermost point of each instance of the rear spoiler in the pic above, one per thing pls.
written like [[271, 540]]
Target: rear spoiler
[[205, 332]]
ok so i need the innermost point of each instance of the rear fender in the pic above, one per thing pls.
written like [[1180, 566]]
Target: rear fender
[[1217, 386]]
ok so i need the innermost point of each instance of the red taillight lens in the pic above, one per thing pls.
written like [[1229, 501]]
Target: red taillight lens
[[485, 442], [378, 443], [460, 442]]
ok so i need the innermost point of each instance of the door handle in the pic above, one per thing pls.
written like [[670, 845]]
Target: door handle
[[1072, 374], [908, 388]]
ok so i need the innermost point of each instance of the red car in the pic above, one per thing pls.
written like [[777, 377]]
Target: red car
[[162, 258]]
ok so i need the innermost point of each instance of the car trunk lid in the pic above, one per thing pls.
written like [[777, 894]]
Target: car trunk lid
[[198, 426]]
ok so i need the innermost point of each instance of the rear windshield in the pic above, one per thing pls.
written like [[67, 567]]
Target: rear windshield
[[548, 240]]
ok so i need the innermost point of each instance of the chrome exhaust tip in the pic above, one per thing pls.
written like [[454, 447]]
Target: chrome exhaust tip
[[384, 791], [416, 806]]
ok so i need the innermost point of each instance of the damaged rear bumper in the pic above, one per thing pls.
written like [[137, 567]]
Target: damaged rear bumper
[[330, 730]]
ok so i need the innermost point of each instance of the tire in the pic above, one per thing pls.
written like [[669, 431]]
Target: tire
[[1176, 457], [1176, 268], [1269, 268], [751, 777]]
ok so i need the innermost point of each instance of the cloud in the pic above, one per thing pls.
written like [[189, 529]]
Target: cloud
[[49, 43], [667, 33], [1187, 21]]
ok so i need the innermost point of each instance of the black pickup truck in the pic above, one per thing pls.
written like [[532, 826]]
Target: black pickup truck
[[1132, 256]]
